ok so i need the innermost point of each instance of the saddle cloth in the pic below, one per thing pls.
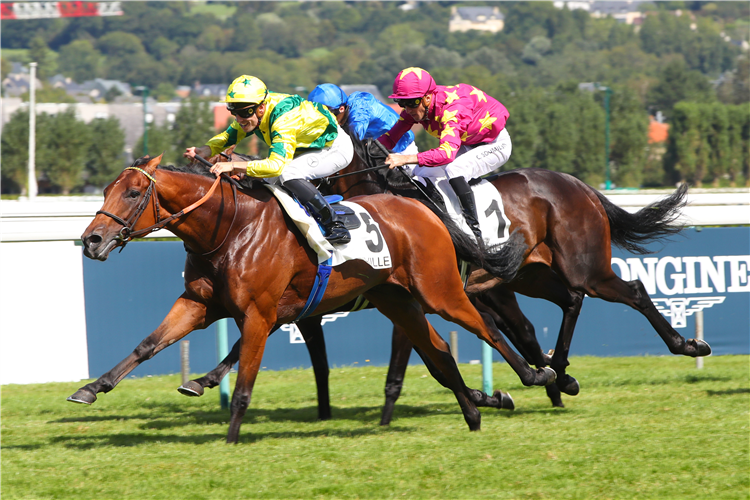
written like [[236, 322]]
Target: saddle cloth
[[367, 244], [493, 222]]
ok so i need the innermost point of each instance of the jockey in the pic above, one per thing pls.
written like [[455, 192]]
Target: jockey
[[305, 140], [469, 123], [362, 115]]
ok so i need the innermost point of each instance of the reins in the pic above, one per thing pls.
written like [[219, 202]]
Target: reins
[[126, 234]]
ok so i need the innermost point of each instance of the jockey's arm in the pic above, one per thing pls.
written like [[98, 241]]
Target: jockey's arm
[[202, 151], [395, 160]]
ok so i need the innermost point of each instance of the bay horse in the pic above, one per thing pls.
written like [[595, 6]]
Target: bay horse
[[260, 272], [569, 228]]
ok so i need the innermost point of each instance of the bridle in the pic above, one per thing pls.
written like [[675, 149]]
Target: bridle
[[126, 234]]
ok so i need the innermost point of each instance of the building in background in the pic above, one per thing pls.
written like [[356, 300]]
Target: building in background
[[476, 18]]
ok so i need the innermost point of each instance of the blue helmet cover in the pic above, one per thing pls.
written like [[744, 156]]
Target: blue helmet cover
[[328, 94]]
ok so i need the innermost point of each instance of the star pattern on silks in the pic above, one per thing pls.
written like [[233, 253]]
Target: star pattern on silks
[[449, 116], [447, 149], [247, 82], [447, 131], [487, 121], [480, 95], [431, 131], [451, 96], [464, 136], [416, 71], [231, 94]]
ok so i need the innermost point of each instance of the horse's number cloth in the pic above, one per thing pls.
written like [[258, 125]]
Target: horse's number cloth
[[493, 222], [367, 244]]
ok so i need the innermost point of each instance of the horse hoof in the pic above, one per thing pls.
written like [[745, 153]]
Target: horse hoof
[[82, 396], [569, 385], [506, 401], [191, 389], [696, 348], [553, 393], [548, 375]]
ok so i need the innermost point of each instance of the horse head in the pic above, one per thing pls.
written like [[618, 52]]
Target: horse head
[[124, 210]]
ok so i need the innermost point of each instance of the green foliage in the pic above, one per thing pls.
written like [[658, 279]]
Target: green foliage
[[15, 153], [193, 125], [64, 142], [105, 156], [80, 60], [707, 141], [642, 427], [672, 57]]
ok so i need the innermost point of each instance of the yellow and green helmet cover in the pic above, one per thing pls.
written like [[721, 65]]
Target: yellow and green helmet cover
[[246, 89]]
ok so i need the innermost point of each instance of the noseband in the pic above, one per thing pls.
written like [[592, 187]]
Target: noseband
[[126, 234]]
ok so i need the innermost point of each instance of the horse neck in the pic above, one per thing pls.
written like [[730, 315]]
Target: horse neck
[[357, 185], [205, 226]]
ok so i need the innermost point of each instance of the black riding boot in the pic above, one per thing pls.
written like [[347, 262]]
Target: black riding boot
[[308, 195], [468, 205]]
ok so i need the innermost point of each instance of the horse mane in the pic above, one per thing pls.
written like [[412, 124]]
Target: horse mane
[[196, 168]]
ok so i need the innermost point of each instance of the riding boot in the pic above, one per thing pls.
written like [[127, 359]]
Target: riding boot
[[468, 205], [310, 197]]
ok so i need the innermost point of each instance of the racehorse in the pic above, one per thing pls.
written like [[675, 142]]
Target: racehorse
[[260, 272], [569, 228]]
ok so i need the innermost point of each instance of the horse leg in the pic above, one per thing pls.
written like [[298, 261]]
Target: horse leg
[[459, 310], [505, 312], [400, 352], [541, 282], [252, 344], [404, 311], [185, 316], [316, 346], [213, 378], [633, 294]]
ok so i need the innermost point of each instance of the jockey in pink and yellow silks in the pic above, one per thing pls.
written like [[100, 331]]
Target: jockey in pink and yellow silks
[[469, 123]]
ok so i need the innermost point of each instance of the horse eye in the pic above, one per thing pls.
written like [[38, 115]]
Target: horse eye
[[134, 194]]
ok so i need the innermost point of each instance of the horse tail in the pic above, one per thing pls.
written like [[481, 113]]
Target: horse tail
[[651, 223], [502, 261]]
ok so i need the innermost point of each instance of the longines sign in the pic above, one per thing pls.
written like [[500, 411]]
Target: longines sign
[[686, 280]]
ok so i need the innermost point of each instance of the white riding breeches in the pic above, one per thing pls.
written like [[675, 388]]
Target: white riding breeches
[[318, 163], [473, 160]]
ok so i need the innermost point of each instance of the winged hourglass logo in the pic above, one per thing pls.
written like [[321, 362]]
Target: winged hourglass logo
[[678, 309], [295, 336]]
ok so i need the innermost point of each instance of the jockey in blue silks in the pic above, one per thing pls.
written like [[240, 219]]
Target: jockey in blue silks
[[362, 115]]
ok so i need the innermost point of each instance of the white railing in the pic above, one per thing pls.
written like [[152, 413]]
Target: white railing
[[65, 219]]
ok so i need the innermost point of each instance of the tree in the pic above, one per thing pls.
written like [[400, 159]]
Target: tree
[[678, 83], [105, 156], [40, 53], [64, 145], [15, 149], [629, 138], [193, 125], [79, 60]]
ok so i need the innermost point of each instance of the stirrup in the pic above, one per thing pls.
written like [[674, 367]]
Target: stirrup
[[338, 234]]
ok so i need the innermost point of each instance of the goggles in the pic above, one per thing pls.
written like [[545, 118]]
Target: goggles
[[412, 102], [244, 112], [334, 111]]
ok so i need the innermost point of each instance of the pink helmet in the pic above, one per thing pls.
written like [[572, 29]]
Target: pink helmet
[[412, 83]]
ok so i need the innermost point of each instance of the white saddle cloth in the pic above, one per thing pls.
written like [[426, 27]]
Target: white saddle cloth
[[493, 222], [367, 244]]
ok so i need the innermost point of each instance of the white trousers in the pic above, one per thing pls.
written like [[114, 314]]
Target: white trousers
[[319, 163], [473, 161]]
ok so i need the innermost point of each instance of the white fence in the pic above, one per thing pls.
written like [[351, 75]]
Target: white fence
[[42, 308]]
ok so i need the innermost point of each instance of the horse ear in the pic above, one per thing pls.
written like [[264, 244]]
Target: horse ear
[[150, 167]]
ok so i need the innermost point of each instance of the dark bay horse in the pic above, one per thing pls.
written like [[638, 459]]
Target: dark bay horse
[[250, 262], [569, 228]]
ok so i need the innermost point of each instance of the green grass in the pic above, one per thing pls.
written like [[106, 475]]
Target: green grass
[[649, 427]]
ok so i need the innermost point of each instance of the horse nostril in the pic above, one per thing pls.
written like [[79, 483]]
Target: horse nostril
[[93, 239]]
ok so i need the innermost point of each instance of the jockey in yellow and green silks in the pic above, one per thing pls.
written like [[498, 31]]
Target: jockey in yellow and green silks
[[305, 143]]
